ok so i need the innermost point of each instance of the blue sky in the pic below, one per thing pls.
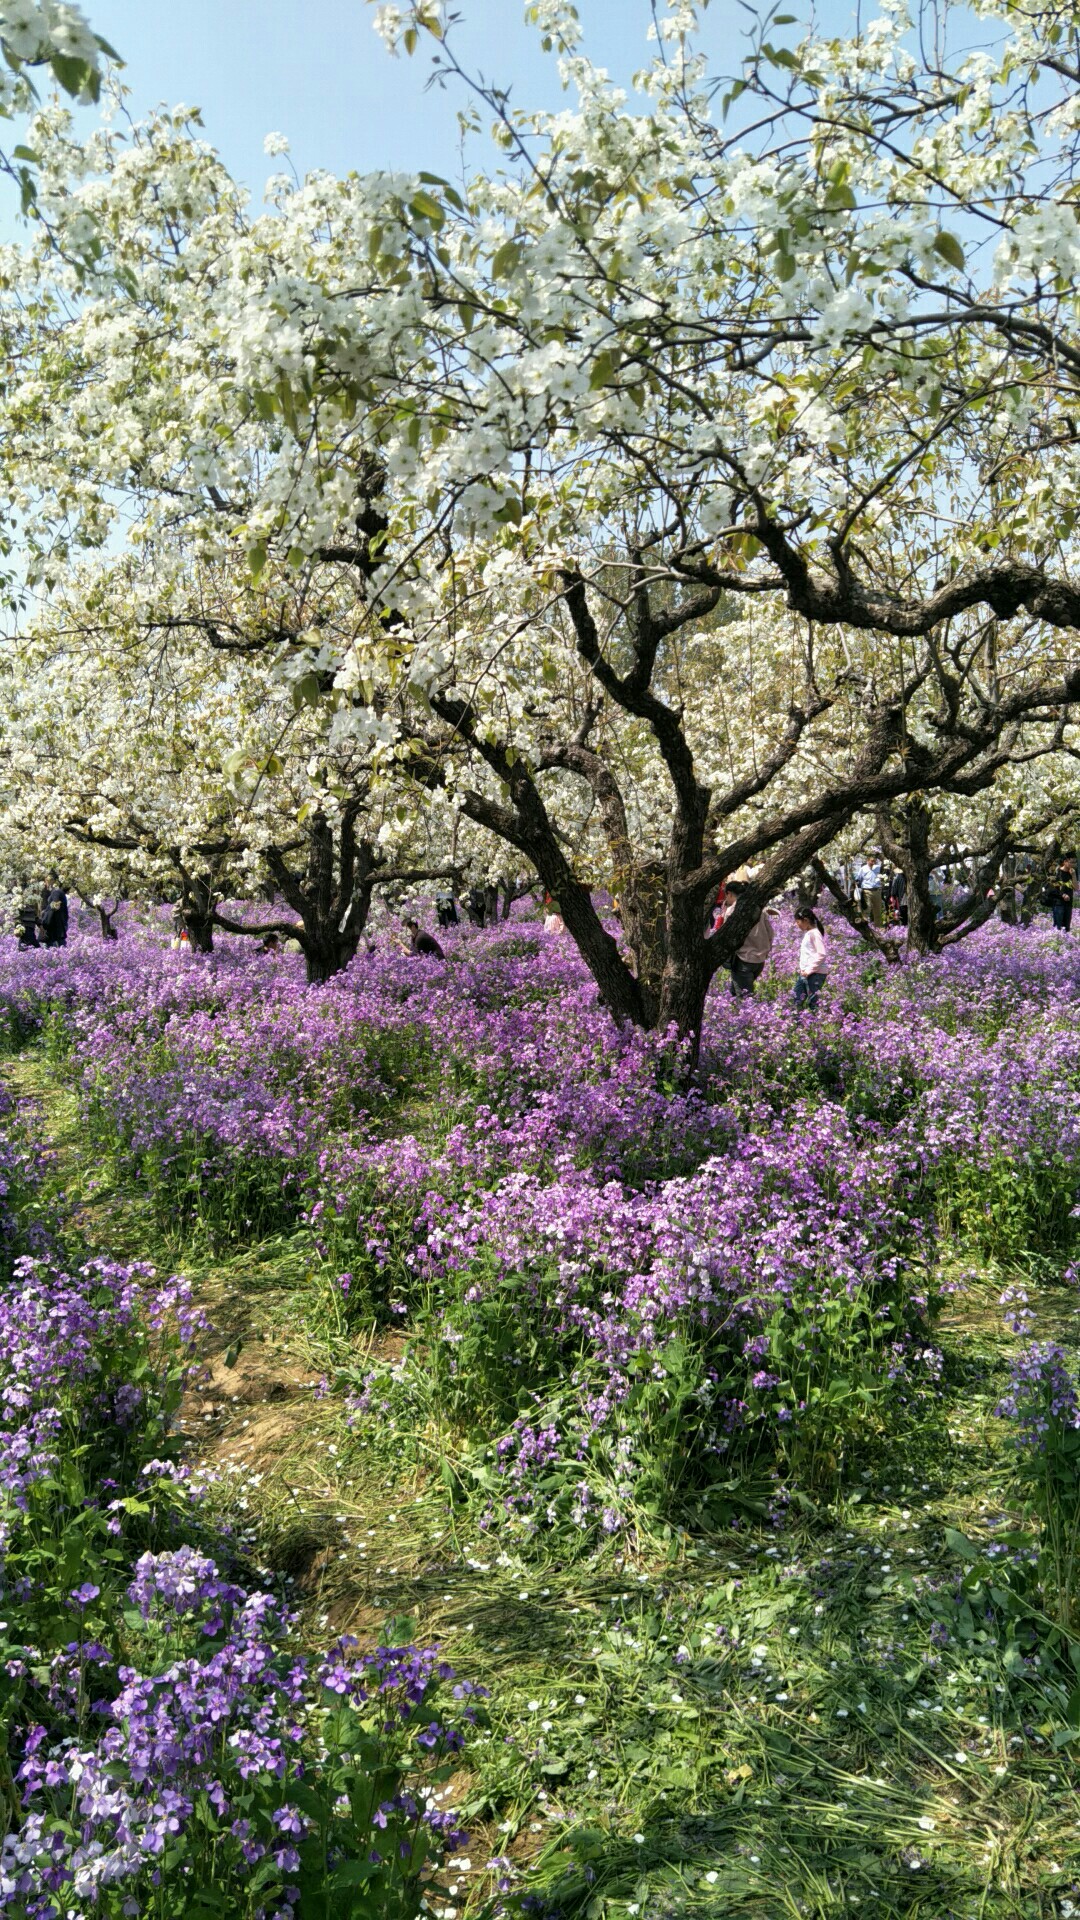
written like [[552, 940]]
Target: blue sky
[[314, 70]]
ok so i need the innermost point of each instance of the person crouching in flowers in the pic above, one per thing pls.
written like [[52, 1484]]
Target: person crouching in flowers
[[812, 964]]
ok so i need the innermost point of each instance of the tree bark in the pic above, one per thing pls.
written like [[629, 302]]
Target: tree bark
[[908, 845], [197, 911], [332, 896]]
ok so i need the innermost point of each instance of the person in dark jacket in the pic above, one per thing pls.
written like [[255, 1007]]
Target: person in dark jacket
[[27, 925], [54, 913], [421, 942], [1060, 896]]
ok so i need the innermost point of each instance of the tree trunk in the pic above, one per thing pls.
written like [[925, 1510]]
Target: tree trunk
[[323, 958], [197, 912], [200, 932], [514, 890], [684, 988], [105, 920], [619, 990], [199, 927], [910, 847], [333, 897], [643, 899], [907, 845]]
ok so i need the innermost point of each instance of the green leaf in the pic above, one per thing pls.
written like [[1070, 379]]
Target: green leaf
[[959, 1543], [352, 1874], [950, 250], [306, 691], [604, 367], [426, 207], [73, 74], [506, 258], [449, 193], [256, 559], [587, 1843]]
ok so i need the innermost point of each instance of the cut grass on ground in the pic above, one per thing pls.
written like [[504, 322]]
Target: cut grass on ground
[[765, 1722]]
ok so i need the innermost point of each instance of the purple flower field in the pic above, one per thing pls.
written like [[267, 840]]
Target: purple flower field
[[743, 1275], [615, 1300]]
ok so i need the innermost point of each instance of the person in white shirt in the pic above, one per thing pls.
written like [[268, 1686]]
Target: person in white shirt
[[812, 962], [868, 876]]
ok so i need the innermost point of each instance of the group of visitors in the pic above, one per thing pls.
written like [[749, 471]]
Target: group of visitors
[[1026, 887], [752, 957], [481, 904], [43, 922]]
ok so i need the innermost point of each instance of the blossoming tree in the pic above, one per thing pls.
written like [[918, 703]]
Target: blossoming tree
[[175, 769], [670, 404]]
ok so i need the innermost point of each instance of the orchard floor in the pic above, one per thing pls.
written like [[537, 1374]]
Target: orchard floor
[[752, 1724]]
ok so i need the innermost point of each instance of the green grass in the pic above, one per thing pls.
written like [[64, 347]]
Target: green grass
[[756, 1723]]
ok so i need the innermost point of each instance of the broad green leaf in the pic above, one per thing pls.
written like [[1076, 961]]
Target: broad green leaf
[[959, 1543], [426, 207], [506, 258], [950, 250]]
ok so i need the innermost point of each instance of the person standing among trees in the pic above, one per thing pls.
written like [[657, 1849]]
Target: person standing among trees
[[812, 961], [1060, 895], [750, 961], [868, 876], [54, 913], [27, 925]]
